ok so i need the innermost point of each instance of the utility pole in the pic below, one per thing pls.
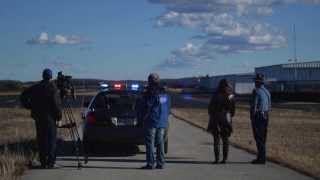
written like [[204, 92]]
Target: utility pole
[[295, 60], [294, 44]]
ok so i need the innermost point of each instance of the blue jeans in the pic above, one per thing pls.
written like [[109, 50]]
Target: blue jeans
[[154, 137]]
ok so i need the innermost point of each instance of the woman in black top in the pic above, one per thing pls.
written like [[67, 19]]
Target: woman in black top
[[221, 111]]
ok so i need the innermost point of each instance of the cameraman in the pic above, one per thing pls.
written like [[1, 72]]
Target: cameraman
[[43, 101]]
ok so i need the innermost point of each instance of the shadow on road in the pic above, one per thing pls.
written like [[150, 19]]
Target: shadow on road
[[67, 148], [143, 161]]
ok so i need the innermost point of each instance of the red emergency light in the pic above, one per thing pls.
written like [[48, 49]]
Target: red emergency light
[[117, 86]]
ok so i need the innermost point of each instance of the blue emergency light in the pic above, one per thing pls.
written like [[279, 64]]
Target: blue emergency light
[[135, 87], [103, 87]]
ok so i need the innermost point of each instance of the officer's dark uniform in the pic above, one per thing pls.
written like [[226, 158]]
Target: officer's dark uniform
[[221, 109], [44, 102], [260, 107]]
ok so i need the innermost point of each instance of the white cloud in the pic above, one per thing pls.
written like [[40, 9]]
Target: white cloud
[[58, 39], [224, 26], [189, 55], [44, 38]]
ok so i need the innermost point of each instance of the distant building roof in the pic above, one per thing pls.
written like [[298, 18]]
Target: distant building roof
[[311, 64]]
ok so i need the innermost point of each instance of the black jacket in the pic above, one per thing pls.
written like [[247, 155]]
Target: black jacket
[[219, 109], [43, 100]]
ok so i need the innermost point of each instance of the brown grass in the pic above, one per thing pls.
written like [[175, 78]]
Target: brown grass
[[17, 141], [293, 137]]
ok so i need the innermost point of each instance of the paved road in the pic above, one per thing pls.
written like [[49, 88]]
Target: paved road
[[190, 156]]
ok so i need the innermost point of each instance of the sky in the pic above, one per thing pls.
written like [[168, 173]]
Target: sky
[[125, 39]]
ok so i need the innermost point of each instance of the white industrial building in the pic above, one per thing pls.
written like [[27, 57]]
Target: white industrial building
[[242, 83], [304, 71], [299, 77], [292, 77]]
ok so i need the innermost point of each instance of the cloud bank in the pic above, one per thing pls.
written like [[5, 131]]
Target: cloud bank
[[225, 26], [44, 39]]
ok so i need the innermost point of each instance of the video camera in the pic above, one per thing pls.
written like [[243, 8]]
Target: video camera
[[65, 86]]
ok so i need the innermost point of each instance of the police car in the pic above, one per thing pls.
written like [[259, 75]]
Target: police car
[[114, 115]]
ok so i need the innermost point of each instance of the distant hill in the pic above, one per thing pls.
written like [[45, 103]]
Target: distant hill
[[10, 85]]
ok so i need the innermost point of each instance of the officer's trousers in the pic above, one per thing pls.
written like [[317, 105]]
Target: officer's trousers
[[260, 130]]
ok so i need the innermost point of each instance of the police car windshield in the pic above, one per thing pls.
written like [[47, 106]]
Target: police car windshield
[[117, 103]]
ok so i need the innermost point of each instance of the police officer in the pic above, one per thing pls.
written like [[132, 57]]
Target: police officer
[[259, 109], [157, 110], [43, 101], [221, 110]]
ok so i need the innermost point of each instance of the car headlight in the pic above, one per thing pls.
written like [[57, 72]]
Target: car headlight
[[114, 120]]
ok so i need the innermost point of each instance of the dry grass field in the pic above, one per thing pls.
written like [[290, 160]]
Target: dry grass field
[[17, 141], [293, 139]]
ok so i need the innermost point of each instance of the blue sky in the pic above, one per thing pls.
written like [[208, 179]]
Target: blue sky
[[129, 39]]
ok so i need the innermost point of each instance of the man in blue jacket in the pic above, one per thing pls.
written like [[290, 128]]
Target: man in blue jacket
[[157, 110], [259, 113]]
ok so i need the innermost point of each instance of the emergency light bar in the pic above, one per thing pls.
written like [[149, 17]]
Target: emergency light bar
[[135, 87], [117, 86], [103, 87]]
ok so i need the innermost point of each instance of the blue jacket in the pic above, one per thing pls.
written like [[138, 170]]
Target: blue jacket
[[157, 110], [261, 100]]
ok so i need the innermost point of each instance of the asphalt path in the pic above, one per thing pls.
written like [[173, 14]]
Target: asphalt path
[[190, 157]]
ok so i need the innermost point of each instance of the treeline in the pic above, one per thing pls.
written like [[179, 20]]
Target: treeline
[[11, 85]]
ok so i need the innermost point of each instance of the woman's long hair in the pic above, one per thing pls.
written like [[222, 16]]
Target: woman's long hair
[[225, 87]]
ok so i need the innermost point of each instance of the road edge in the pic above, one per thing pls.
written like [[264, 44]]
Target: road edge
[[283, 164]]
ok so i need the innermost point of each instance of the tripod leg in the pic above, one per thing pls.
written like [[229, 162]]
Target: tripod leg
[[74, 134]]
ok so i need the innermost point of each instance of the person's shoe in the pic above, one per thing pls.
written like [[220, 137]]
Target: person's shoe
[[215, 162], [53, 166], [147, 167], [86, 160], [159, 167], [223, 162], [258, 161]]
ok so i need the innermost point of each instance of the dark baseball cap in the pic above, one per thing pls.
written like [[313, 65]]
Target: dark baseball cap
[[47, 74], [259, 78]]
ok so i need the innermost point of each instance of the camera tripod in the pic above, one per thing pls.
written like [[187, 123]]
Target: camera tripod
[[72, 127]]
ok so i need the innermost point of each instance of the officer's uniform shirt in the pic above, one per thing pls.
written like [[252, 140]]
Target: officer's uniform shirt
[[261, 100]]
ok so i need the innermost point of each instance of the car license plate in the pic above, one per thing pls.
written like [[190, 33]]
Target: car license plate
[[125, 122]]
